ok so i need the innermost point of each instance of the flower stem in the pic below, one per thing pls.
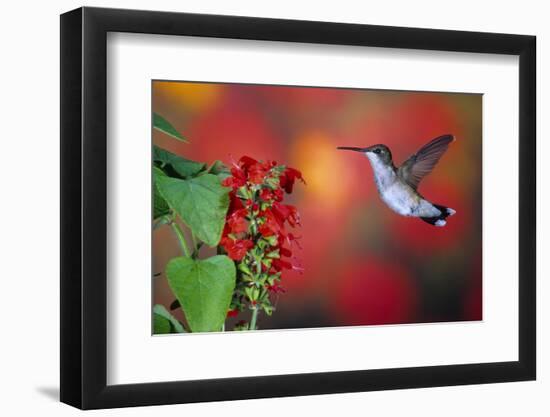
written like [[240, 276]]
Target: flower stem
[[181, 238], [196, 246], [254, 317]]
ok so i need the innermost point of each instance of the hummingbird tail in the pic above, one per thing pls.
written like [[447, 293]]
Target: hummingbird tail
[[440, 220]]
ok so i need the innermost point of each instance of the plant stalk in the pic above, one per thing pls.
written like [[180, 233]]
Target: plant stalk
[[255, 308], [254, 317], [181, 238]]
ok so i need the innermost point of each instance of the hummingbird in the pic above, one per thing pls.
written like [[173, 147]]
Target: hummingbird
[[397, 187]]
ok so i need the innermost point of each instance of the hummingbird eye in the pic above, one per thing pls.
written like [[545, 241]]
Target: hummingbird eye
[[377, 151]]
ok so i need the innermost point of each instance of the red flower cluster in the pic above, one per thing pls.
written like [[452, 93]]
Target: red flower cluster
[[260, 185], [255, 233]]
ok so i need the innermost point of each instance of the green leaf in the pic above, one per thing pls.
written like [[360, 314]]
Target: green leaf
[[160, 123], [164, 322], [204, 289], [201, 202], [218, 168], [158, 172], [161, 325], [183, 167], [160, 206]]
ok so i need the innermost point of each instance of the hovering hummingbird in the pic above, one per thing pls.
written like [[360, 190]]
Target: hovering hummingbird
[[398, 186]]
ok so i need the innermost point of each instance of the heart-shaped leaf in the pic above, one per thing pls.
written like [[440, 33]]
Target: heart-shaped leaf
[[164, 322], [204, 289], [201, 202], [182, 167], [161, 124]]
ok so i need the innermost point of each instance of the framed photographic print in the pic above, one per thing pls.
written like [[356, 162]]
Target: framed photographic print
[[258, 207]]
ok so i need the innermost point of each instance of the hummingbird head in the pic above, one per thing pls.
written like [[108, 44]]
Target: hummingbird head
[[379, 153]]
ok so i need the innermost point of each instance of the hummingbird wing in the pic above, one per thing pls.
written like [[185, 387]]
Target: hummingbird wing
[[422, 162]]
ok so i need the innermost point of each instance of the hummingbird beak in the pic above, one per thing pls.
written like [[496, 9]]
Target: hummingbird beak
[[352, 148]]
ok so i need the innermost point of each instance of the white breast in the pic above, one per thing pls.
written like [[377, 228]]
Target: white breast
[[398, 199], [397, 195]]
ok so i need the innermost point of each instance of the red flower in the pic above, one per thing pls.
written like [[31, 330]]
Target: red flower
[[253, 170], [235, 203], [285, 252], [278, 265], [278, 194], [237, 221], [291, 238], [289, 176], [286, 212], [257, 173], [275, 288], [264, 214], [246, 162], [237, 179], [236, 249], [266, 195], [271, 226]]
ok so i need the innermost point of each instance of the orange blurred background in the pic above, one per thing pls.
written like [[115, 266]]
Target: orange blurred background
[[364, 264]]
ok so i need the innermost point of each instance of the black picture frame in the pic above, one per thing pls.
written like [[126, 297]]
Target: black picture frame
[[84, 207]]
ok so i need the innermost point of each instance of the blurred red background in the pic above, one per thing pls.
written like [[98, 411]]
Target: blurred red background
[[364, 264]]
